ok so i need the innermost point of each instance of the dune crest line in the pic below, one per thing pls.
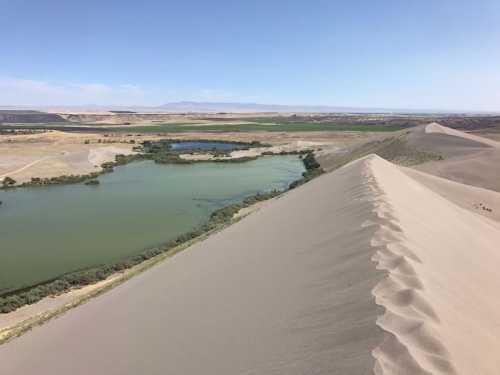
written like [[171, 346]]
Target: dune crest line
[[429, 249], [408, 321], [362, 270]]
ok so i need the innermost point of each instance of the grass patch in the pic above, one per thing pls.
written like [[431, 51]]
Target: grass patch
[[250, 125]]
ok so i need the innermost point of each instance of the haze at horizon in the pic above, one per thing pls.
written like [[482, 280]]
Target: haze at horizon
[[388, 54]]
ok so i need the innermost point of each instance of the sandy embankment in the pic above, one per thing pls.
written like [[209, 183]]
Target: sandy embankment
[[53, 154], [363, 269]]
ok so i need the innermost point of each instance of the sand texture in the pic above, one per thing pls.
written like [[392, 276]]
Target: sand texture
[[363, 270], [439, 129], [468, 158]]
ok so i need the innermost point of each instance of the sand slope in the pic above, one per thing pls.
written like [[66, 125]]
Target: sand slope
[[362, 270], [443, 316], [469, 159], [435, 128]]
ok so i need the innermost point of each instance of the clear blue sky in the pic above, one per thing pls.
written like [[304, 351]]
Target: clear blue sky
[[442, 54]]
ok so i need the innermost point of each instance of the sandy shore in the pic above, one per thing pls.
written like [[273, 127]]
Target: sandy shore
[[362, 270], [294, 146], [55, 153]]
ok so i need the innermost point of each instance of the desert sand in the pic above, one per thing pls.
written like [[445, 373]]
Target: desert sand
[[55, 153], [469, 159], [363, 270], [439, 129]]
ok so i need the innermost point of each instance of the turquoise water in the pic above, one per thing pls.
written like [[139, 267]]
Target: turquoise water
[[48, 231]]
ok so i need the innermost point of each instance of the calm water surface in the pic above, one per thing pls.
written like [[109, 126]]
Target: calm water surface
[[48, 231]]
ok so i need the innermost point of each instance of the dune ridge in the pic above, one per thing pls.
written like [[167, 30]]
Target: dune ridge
[[362, 270], [439, 129], [437, 258], [408, 318]]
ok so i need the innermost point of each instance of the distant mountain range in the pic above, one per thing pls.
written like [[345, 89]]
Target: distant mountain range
[[187, 106], [216, 107]]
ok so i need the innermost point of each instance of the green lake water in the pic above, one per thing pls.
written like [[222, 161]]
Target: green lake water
[[48, 231]]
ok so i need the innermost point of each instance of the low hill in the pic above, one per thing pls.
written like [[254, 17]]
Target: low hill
[[12, 116]]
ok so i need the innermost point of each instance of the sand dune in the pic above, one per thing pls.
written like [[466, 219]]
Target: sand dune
[[442, 315], [468, 158], [363, 270], [434, 149], [482, 201], [439, 129]]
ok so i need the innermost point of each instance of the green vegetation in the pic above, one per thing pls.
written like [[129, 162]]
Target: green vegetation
[[60, 180], [8, 182], [88, 179], [255, 127], [162, 153], [164, 157], [166, 145], [241, 159], [313, 169]]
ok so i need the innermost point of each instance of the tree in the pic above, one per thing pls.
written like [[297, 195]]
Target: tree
[[7, 181]]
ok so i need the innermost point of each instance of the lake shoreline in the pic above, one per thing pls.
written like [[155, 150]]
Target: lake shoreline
[[251, 151], [146, 152], [30, 314], [27, 317], [13, 299]]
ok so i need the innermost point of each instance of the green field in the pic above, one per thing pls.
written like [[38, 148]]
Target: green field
[[253, 125], [258, 127]]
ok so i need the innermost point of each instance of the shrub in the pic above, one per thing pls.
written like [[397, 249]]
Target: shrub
[[92, 182], [313, 169], [8, 181]]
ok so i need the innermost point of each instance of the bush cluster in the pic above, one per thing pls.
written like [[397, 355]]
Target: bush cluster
[[60, 180], [8, 182], [294, 152], [235, 160], [89, 178], [313, 169], [92, 182], [169, 158]]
